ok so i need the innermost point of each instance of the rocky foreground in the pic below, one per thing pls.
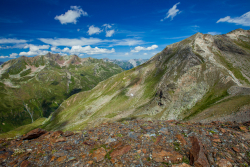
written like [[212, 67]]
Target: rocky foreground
[[133, 143]]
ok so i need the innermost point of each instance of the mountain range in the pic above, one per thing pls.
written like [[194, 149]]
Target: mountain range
[[203, 78], [33, 87], [200, 79], [126, 64]]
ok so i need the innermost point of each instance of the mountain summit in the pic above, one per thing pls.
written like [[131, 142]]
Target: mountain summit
[[202, 78]]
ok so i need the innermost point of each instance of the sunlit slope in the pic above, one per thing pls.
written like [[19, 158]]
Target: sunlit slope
[[180, 82]]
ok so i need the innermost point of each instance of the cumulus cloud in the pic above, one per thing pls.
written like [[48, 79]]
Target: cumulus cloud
[[86, 49], [12, 40], [172, 12], [126, 54], [145, 54], [242, 20], [94, 30], [71, 15], [35, 50], [36, 47], [139, 48], [109, 33], [12, 56]]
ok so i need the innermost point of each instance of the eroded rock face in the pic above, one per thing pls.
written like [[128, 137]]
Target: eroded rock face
[[198, 153], [34, 134]]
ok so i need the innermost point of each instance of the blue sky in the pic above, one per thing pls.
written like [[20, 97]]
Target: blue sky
[[115, 29]]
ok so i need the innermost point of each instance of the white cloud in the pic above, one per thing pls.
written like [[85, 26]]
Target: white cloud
[[214, 33], [107, 25], [71, 42], [126, 54], [172, 12], [71, 15], [12, 40], [145, 54], [128, 42], [2, 57], [34, 53], [36, 47], [90, 41], [110, 33], [35, 50], [86, 49], [139, 48], [78, 29], [242, 20], [94, 30], [13, 55]]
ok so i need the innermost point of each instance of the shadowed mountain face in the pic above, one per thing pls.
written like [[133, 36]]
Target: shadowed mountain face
[[1, 62], [33, 87], [201, 78], [126, 64]]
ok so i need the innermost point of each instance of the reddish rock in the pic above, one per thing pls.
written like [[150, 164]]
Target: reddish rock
[[158, 139], [243, 128], [89, 142], [53, 158], [181, 165], [236, 149], [217, 140], [224, 163], [120, 152], [56, 134], [198, 153], [34, 134], [164, 156], [61, 139], [60, 159], [68, 133], [99, 154], [90, 162], [181, 139], [4, 156], [223, 130], [13, 163], [25, 163]]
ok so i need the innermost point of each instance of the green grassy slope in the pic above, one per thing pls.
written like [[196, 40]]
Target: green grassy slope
[[44, 90]]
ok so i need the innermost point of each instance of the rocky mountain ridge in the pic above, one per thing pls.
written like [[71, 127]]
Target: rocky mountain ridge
[[126, 64], [198, 79], [33, 87]]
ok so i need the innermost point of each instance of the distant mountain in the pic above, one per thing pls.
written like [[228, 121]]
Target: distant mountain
[[1, 62], [33, 87], [126, 64], [202, 78]]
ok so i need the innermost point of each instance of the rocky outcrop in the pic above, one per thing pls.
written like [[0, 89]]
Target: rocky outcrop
[[226, 145], [198, 153], [34, 134]]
